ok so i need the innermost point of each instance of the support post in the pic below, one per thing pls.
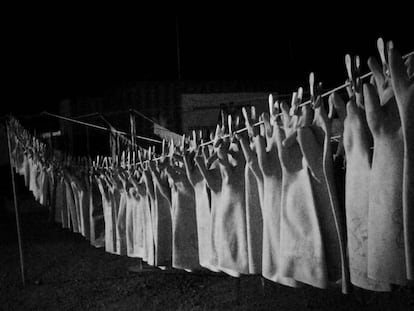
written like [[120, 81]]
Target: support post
[[16, 210]]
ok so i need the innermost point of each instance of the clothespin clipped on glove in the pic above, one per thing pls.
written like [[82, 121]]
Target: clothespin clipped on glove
[[200, 135], [122, 162], [230, 126], [383, 55], [218, 133], [105, 162], [141, 158], [163, 148], [129, 159], [222, 119], [315, 91], [149, 153], [116, 161], [296, 102], [353, 68], [171, 148], [171, 152], [182, 145], [193, 140]]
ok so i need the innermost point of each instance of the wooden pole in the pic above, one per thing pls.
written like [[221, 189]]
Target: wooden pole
[[16, 210]]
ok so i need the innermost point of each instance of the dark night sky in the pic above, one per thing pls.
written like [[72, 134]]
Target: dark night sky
[[55, 57]]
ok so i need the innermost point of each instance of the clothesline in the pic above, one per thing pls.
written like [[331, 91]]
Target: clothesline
[[99, 127]]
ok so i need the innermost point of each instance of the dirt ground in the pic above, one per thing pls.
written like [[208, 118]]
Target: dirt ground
[[65, 273]]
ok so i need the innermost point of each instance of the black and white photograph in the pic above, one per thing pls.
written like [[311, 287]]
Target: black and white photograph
[[187, 162]]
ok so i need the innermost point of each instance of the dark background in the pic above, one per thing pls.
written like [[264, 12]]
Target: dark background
[[52, 56]]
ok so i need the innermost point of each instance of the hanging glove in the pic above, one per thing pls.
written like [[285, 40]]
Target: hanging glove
[[386, 253], [402, 81]]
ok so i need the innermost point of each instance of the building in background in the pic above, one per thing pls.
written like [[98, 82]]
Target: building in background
[[177, 106]]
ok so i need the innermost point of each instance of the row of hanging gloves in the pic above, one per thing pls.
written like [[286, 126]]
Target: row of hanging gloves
[[268, 202]]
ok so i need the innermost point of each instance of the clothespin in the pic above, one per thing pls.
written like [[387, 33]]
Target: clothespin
[[105, 162], [312, 86], [129, 159], [222, 117], [300, 95], [314, 91], [115, 161], [149, 153], [230, 124], [353, 67], [237, 123], [245, 116], [140, 158], [171, 151], [123, 159], [217, 134], [172, 148], [163, 147], [381, 50], [192, 142], [270, 104], [182, 143]]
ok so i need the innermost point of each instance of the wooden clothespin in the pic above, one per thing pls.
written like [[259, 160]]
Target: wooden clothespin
[[192, 141], [381, 50], [172, 148], [312, 87], [149, 153], [163, 147], [200, 134], [122, 161], [183, 142], [230, 124], [105, 162], [353, 67], [315, 91]]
